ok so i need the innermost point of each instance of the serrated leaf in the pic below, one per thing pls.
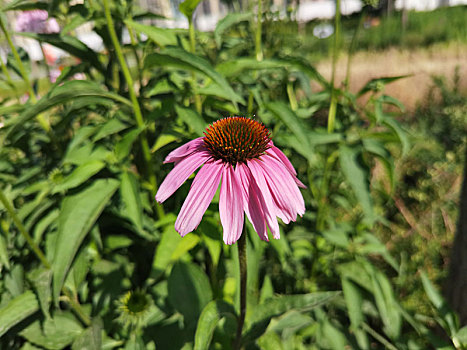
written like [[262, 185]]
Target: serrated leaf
[[378, 83], [78, 214], [16, 310], [161, 36], [208, 320]]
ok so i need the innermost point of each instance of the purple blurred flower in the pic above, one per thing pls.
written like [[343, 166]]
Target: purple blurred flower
[[36, 21]]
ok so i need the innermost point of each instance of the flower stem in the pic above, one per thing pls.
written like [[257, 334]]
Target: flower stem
[[191, 32], [335, 56], [243, 278], [136, 107], [258, 49]]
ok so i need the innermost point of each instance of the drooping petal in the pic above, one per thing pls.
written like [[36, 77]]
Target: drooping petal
[[202, 191], [269, 208], [284, 190], [180, 173], [231, 205], [279, 155], [253, 201], [183, 151]]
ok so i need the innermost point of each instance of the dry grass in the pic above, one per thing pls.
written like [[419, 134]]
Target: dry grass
[[421, 64]]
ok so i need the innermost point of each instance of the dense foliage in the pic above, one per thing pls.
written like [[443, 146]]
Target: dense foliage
[[89, 260]]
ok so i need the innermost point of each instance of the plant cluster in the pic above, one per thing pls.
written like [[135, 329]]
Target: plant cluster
[[88, 259]]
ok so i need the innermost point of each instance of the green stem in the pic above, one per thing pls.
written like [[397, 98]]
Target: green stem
[[335, 56], [40, 118], [136, 107], [258, 49], [7, 74], [352, 48], [135, 52], [243, 278], [76, 306], [35, 248], [191, 32]]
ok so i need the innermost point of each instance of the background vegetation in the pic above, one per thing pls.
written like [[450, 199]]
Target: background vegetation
[[89, 260]]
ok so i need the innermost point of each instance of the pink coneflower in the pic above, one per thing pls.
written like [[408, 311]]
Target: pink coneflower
[[36, 21], [257, 178]]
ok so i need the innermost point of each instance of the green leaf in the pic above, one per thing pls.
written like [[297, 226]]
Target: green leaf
[[357, 176], [161, 36], [263, 313], [448, 318], [188, 7], [16, 310], [91, 338], [111, 127], [400, 132], [131, 198], [70, 44], [353, 300], [81, 174], [191, 118], [78, 214], [53, 334], [123, 147], [41, 279], [189, 291], [378, 84], [67, 92], [181, 59], [25, 5], [208, 320], [4, 259], [291, 121], [163, 140], [228, 21]]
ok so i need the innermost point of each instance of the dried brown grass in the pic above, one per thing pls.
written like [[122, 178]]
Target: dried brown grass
[[421, 64]]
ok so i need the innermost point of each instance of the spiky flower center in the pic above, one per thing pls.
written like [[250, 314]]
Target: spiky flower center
[[236, 139]]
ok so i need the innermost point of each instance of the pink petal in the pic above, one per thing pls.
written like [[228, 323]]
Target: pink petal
[[269, 207], [202, 191], [231, 205], [253, 201], [183, 151], [179, 174], [279, 155], [284, 190]]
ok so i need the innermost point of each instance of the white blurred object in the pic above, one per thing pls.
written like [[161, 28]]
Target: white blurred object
[[323, 30]]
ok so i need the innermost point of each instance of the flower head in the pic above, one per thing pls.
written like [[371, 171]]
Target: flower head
[[256, 178], [36, 21]]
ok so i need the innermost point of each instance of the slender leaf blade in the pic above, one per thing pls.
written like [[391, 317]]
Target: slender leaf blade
[[78, 214]]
